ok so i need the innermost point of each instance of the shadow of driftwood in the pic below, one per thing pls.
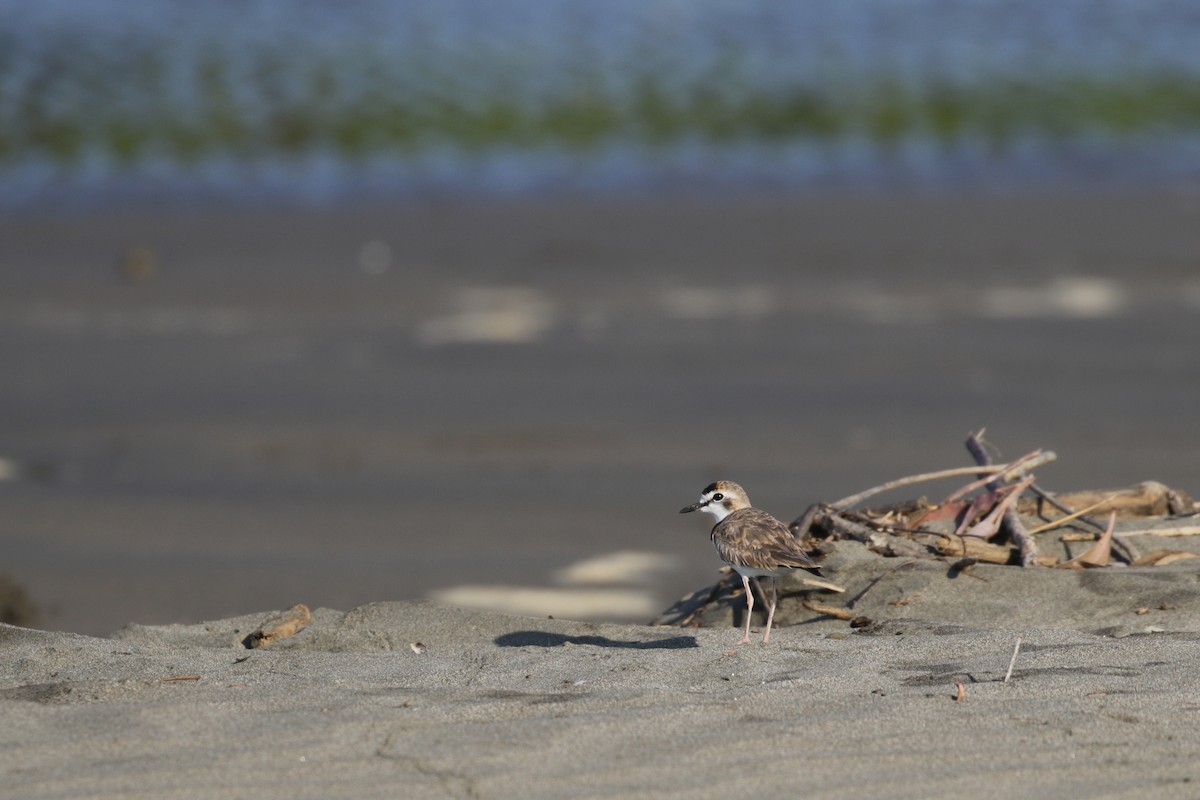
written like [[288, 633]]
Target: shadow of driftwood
[[543, 639]]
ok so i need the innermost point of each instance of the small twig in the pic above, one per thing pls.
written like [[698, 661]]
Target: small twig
[[1052, 500], [1191, 530], [847, 528], [1012, 661], [829, 611], [1003, 470], [801, 525], [992, 479], [1049, 526], [179, 678]]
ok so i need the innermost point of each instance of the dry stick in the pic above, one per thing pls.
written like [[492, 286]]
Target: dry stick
[[828, 610], [1002, 470], [1058, 523], [969, 547], [1052, 500], [848, 528], [1012, 661], [801, 525], [1187, 530], [1014, 470], [1010, 522], [1127, 548]]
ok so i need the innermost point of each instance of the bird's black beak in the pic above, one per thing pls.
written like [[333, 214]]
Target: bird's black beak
[[693, 507]]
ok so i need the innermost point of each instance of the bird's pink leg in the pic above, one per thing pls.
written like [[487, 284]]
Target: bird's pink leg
[[749, 608], [771, 611]]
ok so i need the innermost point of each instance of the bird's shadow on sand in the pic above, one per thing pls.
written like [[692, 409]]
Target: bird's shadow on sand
[[543, 639]]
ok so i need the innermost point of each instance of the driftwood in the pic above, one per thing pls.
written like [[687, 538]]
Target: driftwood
[[991, 519], [1007, 472], [1147, 499], [988, 553], [1160, 558], [985, 519]]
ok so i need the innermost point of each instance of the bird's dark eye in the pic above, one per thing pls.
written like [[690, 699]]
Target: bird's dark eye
[[718, 496]]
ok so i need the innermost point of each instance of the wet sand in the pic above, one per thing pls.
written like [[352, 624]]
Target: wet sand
[[274, 407]]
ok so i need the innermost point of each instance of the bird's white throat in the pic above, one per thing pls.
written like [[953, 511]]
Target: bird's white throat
[[717, 509]]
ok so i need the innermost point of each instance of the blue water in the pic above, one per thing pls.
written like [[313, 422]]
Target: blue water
[[79, 77]]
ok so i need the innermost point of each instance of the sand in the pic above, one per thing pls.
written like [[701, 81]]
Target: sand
[[1102, 700], [266, 418]]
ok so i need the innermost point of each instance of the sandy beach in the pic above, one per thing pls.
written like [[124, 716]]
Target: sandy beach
[[356, 360], [504, 405], [415, 699]]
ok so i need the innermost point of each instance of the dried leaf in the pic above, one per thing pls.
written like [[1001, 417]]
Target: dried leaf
[[944, 512], [977, 513], [1099, 554]]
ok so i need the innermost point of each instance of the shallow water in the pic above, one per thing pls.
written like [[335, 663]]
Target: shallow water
[[312, 104]]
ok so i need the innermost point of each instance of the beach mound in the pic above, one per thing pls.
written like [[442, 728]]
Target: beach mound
[[975, 698], [1114, 601]]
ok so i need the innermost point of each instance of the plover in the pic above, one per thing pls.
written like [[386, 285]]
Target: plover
[[751, 541]]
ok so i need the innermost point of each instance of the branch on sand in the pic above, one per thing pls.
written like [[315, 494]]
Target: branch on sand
[[990, 519], [983, 519]]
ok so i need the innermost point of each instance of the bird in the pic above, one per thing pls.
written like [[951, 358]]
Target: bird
[[751, 541]]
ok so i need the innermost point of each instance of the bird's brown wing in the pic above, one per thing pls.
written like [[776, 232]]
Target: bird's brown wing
[[753, 538]]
